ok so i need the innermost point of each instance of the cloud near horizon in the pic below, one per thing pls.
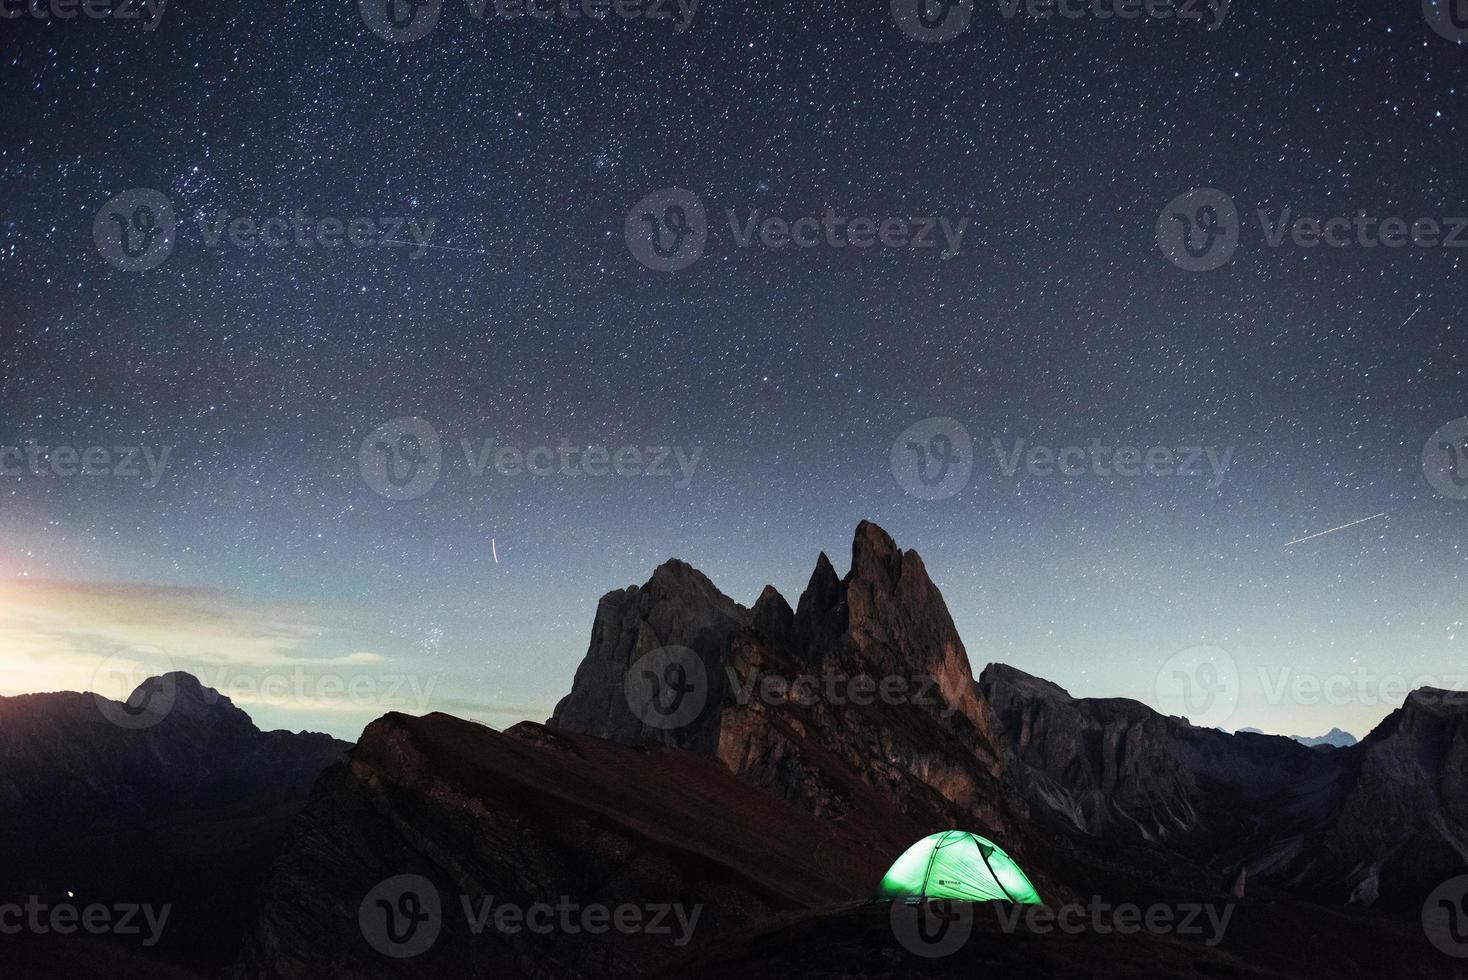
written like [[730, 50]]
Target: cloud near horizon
[[85, 636]]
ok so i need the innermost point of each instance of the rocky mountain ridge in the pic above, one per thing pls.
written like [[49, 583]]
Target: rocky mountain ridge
[[1009, 751], [763, 764], [819, 737]]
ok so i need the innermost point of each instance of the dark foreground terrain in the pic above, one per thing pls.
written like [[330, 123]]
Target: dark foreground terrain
[[763, 821]]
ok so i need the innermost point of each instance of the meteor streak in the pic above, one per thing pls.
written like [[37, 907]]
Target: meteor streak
[[445, 248], [1309, 537]]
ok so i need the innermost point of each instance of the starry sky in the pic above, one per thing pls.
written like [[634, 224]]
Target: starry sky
[[263, 549]]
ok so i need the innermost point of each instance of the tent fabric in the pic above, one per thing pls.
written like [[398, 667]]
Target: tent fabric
[[958, 865]]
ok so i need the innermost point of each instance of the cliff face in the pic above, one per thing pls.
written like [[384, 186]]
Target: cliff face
[[1381, 822], [1102, 767], [678, 608], [864, 688], [1402, 820]]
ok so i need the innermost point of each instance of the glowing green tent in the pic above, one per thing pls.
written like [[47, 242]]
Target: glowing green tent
[[959, 865]]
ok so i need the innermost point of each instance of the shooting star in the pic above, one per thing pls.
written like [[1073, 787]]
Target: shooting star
[[446, 248], [494, 551], [1310, 537]]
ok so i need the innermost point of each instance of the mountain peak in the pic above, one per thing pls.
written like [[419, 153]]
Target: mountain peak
[[773, 618], [181, 697], [677, 608], [874, 553], [885, 620], [1335, 738], [824, 573], [676, 575], [1003, 675], [1437, 701]]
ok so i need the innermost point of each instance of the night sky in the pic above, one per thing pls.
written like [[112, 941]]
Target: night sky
[[263, 547]]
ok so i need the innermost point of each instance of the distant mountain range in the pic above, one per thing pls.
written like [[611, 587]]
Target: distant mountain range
[[764, 765], [188, 809], [1335, 738]]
